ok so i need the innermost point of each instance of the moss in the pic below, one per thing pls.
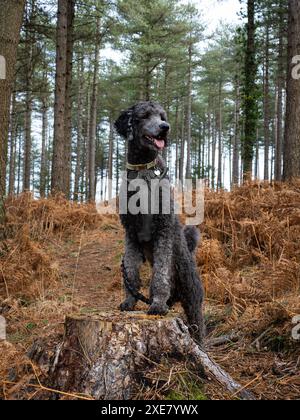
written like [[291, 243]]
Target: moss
[[186, 389], [177, 396]]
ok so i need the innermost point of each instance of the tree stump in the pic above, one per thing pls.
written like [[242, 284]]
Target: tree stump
[[105, 355]]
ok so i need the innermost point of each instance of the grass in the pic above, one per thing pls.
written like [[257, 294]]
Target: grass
[[194, 394]]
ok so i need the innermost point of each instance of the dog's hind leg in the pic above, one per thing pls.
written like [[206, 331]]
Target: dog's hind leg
[[192, 296], [194, 313], [133, 259]]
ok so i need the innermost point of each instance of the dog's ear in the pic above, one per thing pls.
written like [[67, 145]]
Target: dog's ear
[[123, 125]]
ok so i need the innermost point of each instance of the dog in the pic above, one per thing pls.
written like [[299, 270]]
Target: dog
[[159, 238]]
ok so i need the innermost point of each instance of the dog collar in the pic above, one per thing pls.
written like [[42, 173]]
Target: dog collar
[[142, 167]]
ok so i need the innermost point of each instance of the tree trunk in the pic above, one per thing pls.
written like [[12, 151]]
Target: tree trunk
[[13, 145], [29, 42], [292, 130], [110, 156], [209, 146], [214, 149], [257, 155], [236, 140], [93, 117], [272, 158], [280, 86], [43, 170], [166, 101], [58, 164], [28, 140], [230, 161], [79, 146], [182, 146], [189, 115], [87, 140], [102, 178], [177, 141], [250, 101], [220, 144], [19, 164], [117, 167], [108, 357], [267, 106], [201, 161], [11, 14], [68, 103]]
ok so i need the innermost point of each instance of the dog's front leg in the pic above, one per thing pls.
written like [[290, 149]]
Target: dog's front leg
[[133, 260], [160, 290]]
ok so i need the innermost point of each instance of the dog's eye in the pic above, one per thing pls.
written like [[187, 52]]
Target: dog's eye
[[163, 118], [145, 116]]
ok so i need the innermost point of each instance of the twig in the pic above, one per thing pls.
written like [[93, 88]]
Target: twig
[[224, 339], [246, 386], [257, 340]]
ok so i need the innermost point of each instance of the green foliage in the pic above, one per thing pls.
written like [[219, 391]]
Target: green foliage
[[186, 387], [155, 34]]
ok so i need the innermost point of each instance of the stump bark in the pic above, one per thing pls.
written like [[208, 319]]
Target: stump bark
[[106, 355]]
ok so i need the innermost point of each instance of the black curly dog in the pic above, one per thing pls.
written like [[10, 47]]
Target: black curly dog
[[159, 237]]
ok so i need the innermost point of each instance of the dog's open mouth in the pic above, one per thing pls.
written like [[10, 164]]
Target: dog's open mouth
[[158, 142]]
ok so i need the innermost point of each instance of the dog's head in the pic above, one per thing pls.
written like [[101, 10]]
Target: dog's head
[[145, 124]]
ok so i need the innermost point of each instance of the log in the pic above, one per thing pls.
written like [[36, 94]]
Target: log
[[106, 355]]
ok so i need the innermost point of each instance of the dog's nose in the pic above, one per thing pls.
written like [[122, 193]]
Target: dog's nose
[[165, 126]]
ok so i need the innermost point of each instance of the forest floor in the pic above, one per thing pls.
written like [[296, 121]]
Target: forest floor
[[60, 258]]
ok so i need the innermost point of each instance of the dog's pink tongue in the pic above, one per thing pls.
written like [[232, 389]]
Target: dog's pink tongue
[[160, 144]]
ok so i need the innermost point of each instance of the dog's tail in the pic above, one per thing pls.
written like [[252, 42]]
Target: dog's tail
[[192, 236]]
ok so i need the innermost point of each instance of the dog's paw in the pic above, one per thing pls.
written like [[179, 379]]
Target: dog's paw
[[127, 306], [158, 309]]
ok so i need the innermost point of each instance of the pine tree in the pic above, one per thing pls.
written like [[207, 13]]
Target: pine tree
[[292, 131], [250, 91], [11, 14], [62, 117]]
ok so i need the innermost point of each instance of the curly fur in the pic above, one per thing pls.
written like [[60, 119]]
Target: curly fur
[[192, 236], [160, 238]]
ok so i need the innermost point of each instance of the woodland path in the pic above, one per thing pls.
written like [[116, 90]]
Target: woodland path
[[90, 269]]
